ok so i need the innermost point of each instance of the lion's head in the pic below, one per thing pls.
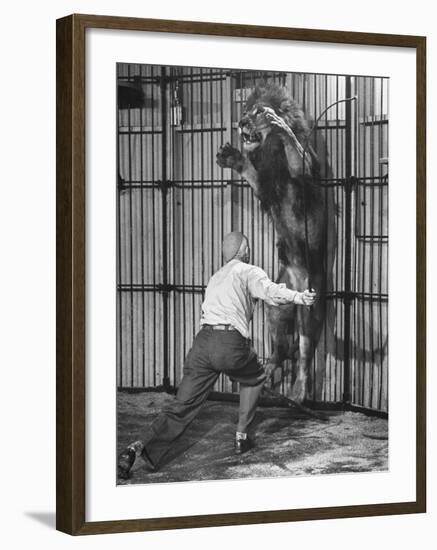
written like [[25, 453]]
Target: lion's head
[[254, 126]]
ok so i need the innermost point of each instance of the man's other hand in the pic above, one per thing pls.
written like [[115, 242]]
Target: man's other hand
[[306, 298]]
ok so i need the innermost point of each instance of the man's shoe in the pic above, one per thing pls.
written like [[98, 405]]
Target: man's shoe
[[125, 462], [243, 445]]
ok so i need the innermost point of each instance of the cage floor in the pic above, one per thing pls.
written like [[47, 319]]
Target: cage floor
[[287, 443]]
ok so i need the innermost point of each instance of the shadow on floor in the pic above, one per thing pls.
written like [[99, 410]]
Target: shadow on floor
[[46, 518], [287, 443]]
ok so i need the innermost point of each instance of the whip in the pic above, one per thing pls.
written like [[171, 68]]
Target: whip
[[303, 153], [295, 405]]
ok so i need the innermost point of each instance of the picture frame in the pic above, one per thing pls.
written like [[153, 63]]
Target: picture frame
[[71, 206]]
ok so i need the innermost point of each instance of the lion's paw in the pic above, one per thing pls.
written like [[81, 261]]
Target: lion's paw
[[229, 157], [298, 392], [274, 119]]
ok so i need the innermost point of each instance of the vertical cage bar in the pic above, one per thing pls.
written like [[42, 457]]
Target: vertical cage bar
[[164, 182], [362, 211], [193, 280], [119, 299], [202, 186], [142, 138], [153, 178], [369, 397], [182, 198], [131, 296], [211, 169], [339, 227], [173, 221], [381, 245], [348, 239]]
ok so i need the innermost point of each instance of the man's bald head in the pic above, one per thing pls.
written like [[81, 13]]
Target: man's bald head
[[235, 247]]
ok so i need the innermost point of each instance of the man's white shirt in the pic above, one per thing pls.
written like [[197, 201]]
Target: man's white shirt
[[232, 292]]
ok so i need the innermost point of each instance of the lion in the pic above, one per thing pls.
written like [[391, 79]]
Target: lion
[[283, 170]]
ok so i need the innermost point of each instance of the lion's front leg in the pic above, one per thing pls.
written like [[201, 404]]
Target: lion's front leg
[[298, 159], [229, 157]]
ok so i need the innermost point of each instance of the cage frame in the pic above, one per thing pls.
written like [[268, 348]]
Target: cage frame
[[141, 138]]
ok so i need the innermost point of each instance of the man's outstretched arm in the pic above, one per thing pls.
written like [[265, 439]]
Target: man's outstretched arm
[[260, 286]]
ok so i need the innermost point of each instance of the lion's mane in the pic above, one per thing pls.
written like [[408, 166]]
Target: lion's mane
[[278, 98], [270, 159]]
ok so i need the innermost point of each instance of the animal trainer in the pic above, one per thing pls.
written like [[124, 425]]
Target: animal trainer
[[222, 345]]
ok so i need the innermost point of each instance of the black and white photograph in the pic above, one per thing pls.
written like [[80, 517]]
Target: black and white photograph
[[252, 273]]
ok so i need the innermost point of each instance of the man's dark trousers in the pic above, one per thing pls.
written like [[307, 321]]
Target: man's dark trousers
[[213, 352]]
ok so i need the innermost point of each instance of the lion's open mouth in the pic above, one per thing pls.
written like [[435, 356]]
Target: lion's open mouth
[[250, 137]]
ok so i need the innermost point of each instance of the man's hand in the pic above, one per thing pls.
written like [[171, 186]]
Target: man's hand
[[306, 298]]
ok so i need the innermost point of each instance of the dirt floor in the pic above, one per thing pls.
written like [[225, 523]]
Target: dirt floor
[[287, 442]]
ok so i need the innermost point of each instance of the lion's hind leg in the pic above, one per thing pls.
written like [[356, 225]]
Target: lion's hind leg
[[281, 321], [309, 322]]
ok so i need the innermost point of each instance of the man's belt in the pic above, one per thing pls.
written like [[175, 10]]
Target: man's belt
[[220, 327]]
